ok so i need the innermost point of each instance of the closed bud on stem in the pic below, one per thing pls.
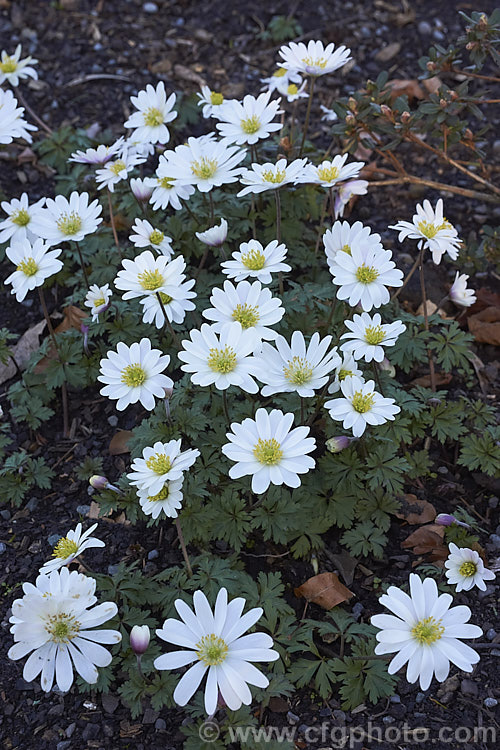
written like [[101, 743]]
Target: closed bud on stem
[[446, 519], [385, 366], [443, 103], [352, 104], [431, 65], [101, 483], [285, 144], [139, 639], [434, 401], [471, 45], [405, 117], [386, 111], [350, 119], [337, 444]]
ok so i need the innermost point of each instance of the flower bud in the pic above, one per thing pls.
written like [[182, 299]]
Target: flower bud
[[350, 119], [101, 483], [386, 111], [141, 189], [446, 519], [434, 401], [337, 444], [431, 65], [405, 117], [385, 366], [139, 639]]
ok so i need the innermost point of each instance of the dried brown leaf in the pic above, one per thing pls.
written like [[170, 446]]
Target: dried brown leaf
[[427, 540], [405, 86], [442, 378], [324, 589], [414, 510], [22, 351], [118, 444], [485, 326]]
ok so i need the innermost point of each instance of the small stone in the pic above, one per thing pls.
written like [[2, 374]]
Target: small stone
[[388, 719], [438, 35], [496, 148], [357, 610], [160, 725], [388, 52], [6, 514], [91, 732], [3, 547], [495, 541], [325, 712], [490, 702], [339, 716], [153, 554], [83, 509], [32, 504], [113, 420], [53, 539], [495, 652], [109, 702], [492, 502], [395, 698], [292, 718], [303, 728], [490, 634], [150, 8], [424, 28], [419, 715], [63, 745], [70, 730], [469, 687], [420, 698], [112, 570], [150, 716], [484, 594], [443, 469]]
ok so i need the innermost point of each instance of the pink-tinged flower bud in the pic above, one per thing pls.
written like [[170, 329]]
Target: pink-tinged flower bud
[[385, 366], [139, 639], [446, 519], [141, 189], [337, 444], [101, 483]]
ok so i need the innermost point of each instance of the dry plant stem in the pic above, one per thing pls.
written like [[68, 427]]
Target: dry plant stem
[[377, 378], [254, 231], [474, 75], [32, 113], [407, 278], [308, 115], [64, 390], [413, 179], [82, 265], [426, 319], [183, 547], [167, 323], [323, 214], [139, 667], [112, 220], [202, 261]]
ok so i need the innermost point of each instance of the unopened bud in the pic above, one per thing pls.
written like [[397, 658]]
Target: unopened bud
[[386, 111], [483, 21], [285, 144], [446, 519], [350, 119], [453, 95], [471, 45], [337, 444], [431, 65], [468, 134], [405, 117], [101, 483], [386, 366], [352, 104], [139, 639], [141, 189], [434, 401], [443, 103], [168, 393]]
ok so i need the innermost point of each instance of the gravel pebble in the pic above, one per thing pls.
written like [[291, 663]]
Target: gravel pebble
[[150, 8], [490, 702]]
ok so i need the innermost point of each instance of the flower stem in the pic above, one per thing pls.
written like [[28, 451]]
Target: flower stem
[[112, 220], [226, 408], [82, 265], [212, 211], [323, 214], [183, 547], [32, 112], [426, 319], [167, 321], [405, 282], [278, 235], [64, 390], [308, 114]]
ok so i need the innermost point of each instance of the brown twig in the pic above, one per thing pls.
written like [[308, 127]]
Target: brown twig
[[426, 319], [64, 390], [413, 179]]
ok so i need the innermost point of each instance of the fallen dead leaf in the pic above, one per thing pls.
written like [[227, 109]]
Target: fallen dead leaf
[[442, 378], [405, 86], [485, 326], [427, 540], [186, 74], [119, 442], [432, 85], [72, 318], [388, 52], [22, 351], [278, 705], [414, 510], [346, 565], [324, 589]]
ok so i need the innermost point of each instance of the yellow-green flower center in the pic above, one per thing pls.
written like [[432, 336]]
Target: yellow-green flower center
[[343, 374], [9, 65], [69, 223], [292, 89], [427, 631], [99, 301], [429, 230], [117, 167], [346, 249], [156, 237], [28, 267], [247, 315], [216, 98], [134, 376], [222, 360], [362, 403], [159, 463], [165, 298], [280, 73], [467, 569], [166, 183], [162, 494], [153, 117], [274, 176], [315, 62], [298, 371], [366, 274], [374, 335], [151, 280], [211, 650], [62, 627], [268, 452], [327, 174], [250, 125], [20, 217], [254, 260], [204, 168], [65, 548]]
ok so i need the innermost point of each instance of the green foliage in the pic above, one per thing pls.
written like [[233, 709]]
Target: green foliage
[[482, 452], [20, 473], [281, 29]]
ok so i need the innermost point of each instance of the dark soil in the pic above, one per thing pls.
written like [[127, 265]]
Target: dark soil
[[78, 43]]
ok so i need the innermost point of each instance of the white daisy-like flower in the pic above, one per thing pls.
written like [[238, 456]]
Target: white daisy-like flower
[[296, 367], [466, 569], [331, 172], [215, 236], [256, 262], [329, 115], [116, 170], [425, 632], [20, 214], [166, 190], [148, 274], [175, 308], [34, 263], [58, 630], [72, 585], [368, 336], [204, 163], [211, 101], [432, 230], [12, 124], [459, 294], [13, 69], [99, 155], [268, 450], [221, 359], [364, 275], [345, 192], [168, 500], [346, 368], [68, 548], [154, 112], [250, 120], [159, 464], [281, 78], [147, 236], [141, 188], [134, 373], [314, 59], [361, 405], [270, 176], [343, 235], [64, 219], [97, 299], [215, 641], [252, 306], [292, 91]]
